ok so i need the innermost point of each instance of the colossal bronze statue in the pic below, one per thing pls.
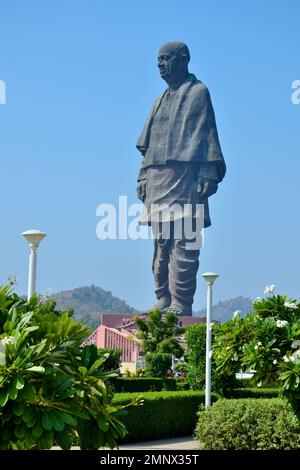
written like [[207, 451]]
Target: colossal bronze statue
[[182, 166]]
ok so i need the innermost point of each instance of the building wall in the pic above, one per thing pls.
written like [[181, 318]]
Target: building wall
[[104, 337]]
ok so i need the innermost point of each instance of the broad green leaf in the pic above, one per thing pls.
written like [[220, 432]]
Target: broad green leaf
[[18, 407], [28, 392], [46, 420], [68, 418], [47, 440], [37, 430], [12, 390], [3, 396], [38, 369], [56, 420], [102, 422]]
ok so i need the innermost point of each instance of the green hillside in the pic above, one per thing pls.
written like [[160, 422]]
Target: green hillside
[[89, 303], [223, 310]]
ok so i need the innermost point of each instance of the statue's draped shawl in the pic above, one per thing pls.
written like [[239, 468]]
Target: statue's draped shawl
[[191, 132]]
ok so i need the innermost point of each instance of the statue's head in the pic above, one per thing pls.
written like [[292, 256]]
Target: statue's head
[[173, 59]]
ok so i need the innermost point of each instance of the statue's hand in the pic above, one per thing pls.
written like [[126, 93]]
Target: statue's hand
[[141, 190], [206, 187]]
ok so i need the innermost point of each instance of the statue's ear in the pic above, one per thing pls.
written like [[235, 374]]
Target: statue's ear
[[185, 59]]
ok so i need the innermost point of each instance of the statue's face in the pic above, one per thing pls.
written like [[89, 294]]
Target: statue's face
[[170, 63]]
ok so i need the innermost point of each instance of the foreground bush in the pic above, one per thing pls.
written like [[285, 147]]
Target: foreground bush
[[52, 391], [266, 341], [254, 393], [221, 383], [163, 414], [250, 424], [143, 384], [158, 364]]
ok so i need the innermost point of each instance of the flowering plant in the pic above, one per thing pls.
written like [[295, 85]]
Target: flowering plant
[[265, 342]]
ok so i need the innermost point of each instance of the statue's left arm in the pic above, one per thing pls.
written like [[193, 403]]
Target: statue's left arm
[[212, 165]]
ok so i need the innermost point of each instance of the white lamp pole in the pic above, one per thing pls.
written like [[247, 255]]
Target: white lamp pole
[[34, 238], [210, 279]]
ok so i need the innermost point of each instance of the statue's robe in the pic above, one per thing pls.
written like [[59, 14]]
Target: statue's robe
[[179, 142]]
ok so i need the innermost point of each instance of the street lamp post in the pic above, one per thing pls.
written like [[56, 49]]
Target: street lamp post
[[210, 279], [33, 238]]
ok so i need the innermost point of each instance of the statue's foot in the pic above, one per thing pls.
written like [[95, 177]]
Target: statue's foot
[[162, 304], [179, 310]]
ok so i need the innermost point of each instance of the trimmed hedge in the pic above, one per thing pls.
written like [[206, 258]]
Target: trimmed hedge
[[254, 393], [163, 414], [143, 384], [183, 386], [250, 424]]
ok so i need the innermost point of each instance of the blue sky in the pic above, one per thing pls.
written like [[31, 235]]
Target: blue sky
[[81, 77]]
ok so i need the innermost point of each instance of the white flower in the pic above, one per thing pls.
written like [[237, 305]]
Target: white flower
[[281, 323], [275, 361], [236, 314], [257, 345], [259, 384], [270, 289], [210, 354], [295, 343], [296, 356], [258, 299], [289, 304], [8, 340], [211, 325], [285, 358]]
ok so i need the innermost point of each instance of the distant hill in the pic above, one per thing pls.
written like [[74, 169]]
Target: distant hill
[[223, 310], [89, 303]]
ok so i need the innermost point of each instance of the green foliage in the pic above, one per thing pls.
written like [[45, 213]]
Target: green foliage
[[195, 338], [251, 424], [254, 393], [163, 414], [51, 389], [158, 364], [143, 384], [113, 362], [159, 334], [267, 342], [183, 385], [195, 356]]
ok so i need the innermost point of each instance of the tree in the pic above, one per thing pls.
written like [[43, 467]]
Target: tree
[[267, 342], [195, 356], [51, 389], [160, 334]]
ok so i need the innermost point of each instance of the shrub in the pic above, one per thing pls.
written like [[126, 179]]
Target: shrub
[[113, 362], [183, 386], [266, 341], [51, 389], [251, 424], [143, 384], [158, 364], [196, 351], [254, 393], [160, 333], [163, 414]]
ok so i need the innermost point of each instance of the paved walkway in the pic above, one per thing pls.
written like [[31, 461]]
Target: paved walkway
[[178, 443]]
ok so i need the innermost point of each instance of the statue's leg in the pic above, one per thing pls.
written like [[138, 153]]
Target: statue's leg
[[184, 264], [160, 270]]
